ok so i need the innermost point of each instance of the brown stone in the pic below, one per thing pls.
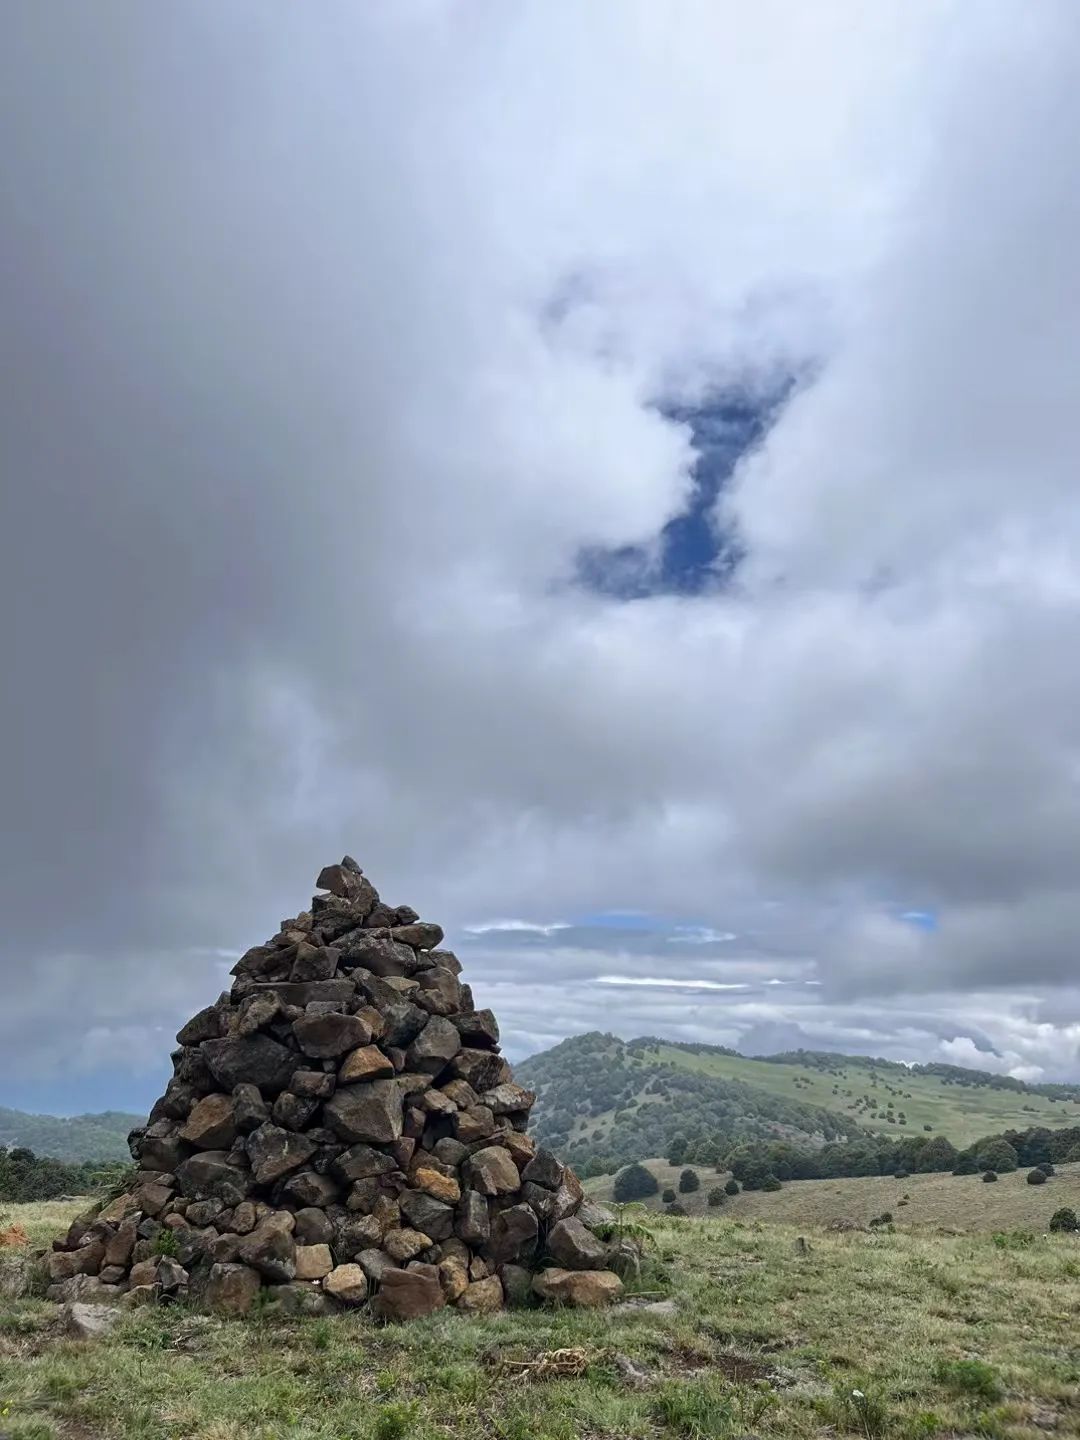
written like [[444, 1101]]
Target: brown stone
[[421, 935], [508, 1098], [372, 1112], [437, 1044], [327, 1036], [231, 1289], [574, 1247], [313, 1261], [492, 1171], [402, 1245], [581, 1288], [347, 1283], [314, 962], [270, 1248], [482, 1296], [408, 1294], [211, 1124], [273, 1152], [514, 1234], [476, 1123], [366, 1063], [441, 1186]]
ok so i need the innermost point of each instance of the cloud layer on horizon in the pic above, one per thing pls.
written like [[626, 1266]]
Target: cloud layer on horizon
[[330, 347]]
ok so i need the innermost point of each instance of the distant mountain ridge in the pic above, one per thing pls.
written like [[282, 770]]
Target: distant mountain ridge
[[71, 1138]]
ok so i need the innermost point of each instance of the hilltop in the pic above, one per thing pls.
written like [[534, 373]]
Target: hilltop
[[72, 1138], [603, 1101]]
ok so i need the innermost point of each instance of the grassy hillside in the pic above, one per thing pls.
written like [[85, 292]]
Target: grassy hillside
[[599, 1098], [959, 1202], [71, 1138], [866, 1092], [605, 1101], [879, 1336]]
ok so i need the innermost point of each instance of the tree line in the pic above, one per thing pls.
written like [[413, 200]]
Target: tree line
[[26, 1176]]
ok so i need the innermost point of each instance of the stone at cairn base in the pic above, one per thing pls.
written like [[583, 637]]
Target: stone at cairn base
[[340, 1129]]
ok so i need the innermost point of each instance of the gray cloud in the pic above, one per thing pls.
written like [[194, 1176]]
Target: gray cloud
[[298, 458]]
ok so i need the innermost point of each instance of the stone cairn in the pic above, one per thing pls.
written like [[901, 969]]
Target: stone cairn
[[341, 1128]]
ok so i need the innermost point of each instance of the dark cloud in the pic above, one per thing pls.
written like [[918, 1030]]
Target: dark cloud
[[298, 466]]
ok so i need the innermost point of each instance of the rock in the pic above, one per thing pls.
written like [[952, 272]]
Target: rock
[[273, 1152], [312, 1084], [482, 1296], [301, 1298], [427, 1214], [250, 1110], [593, 1216], [492, 1171], [472, 1223], [375, 1264], [342, 880], [302, 993], [434, 1047], [293, 1112], [482, 1069], [256, 1013], [443, 1187], [253, 1059], [211, 1124], [314, 962], [453, 1277], [137, 1295], [408, 1294], [313, 1261], [508, 1098], [569, 1196], [170, 1276], [347, 1283], [372, 1112], [206, 1025], [271, 1249], [378, 954], [421, 935], [584, 1289], [476, 1123], [517, 1284], [327, 1036], [232, 1289], [89, 1322], [576, 1248], [543, 1169], [514, 1234], [310, 1189], [366, 1063], [478, 1029], [313, 1226], [361, 1162], [402, 1245]]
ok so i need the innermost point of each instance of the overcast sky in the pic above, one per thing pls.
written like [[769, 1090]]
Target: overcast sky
[[609, 466]]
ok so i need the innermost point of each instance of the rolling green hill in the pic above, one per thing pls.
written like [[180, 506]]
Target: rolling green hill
[[71, 1137], [602, 1102]]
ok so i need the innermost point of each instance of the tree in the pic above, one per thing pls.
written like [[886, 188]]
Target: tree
[[770, 1182], [995, 1153], [965, 1165], [989, 1177], [716, 1196], [668, 1196], [1064, 1219], [677, 1149], [635, 1182], [732, 1186], [689, 1181], [1036, 1177]]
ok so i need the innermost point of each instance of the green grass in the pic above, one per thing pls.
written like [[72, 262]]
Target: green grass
[[905, 1335], [933, 1201], [961, 1113]]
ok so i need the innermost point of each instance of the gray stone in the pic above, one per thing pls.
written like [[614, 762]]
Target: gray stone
[[206, 1025], [309, 1188], [250, 1110], [293, 1111], [361, 1162], [575, 1247], [434, 1047], [231, 1289], [427, 1214], [253, 1059], [472, 1222], [327, 1036], [271, 1250], [514, 1234], [89, 1322], [373, 1112], [478, 1029], [210, 1174]]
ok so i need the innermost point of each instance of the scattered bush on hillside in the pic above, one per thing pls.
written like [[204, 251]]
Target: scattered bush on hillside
[[674, 1209], [716, 1196], [635, 1182], [770, 1182], [1064, 1219], [989, 1177], [965, 1165], [732, 1187], [1036, 1177], [903, 1174], [688, 1182], [969, 1377], [668, 1196], [1046, 1168]]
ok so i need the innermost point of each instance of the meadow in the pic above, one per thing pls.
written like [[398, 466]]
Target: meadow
[[733, 1330]]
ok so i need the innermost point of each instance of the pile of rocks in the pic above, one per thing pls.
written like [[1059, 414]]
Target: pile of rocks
[[340, 1127]]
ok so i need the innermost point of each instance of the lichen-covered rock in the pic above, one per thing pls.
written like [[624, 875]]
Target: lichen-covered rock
[[582, 1288], [408, 1294]]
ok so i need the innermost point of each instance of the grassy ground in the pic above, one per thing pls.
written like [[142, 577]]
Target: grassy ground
[[875, 1335], [963, 1202], [961, 1113]]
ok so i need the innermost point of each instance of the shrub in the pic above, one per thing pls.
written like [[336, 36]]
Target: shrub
[[770, 1182], [1045, 1167], [969, 1377], [989, 1177], [1064, 1219], [675, 1208], [965, 1165], [928, 1128], [634, 1182], [903, 1174], [732, 1187], [997, 1154], [1036, 1177], [716, 1196], [688, 1182], [668, 1196]]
